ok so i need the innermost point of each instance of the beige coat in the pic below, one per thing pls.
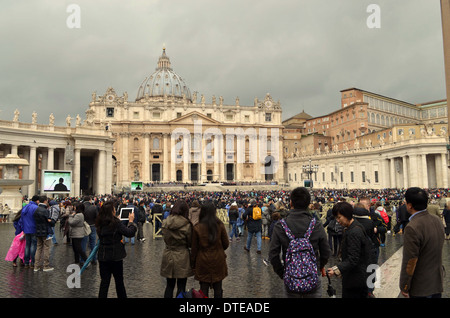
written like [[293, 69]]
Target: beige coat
[[177, 234], [194, 213]]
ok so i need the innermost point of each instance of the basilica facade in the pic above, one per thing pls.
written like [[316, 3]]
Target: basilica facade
[[168, 134]]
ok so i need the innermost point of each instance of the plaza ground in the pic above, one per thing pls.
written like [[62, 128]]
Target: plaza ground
[[249, 277]]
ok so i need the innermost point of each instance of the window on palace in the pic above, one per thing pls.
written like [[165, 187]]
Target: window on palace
[[352, 176], [268, 116], [110, 112], [156, 143], [376, 176], [363, 176]]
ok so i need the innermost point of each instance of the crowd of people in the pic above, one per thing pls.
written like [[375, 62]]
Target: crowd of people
[[196, 239]]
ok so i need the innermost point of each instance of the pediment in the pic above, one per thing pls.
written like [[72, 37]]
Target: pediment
[[190, 118]]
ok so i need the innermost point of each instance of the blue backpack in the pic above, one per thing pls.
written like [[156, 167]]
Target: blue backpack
[[300, 265]]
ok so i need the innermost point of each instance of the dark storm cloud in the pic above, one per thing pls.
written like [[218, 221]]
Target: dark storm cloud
[[301, 52]]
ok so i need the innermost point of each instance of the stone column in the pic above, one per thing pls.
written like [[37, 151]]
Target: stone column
[[32, 172], [222, 157], [405, 172], [216, 158], [124, 160], [109, 171], [173, 159], [101, 172], [444, 170], [146, 163], [279, 159], [392, 173], [424, 167], [165, 177], [76, 172], [203, 176], [257, 172], [186, 158], [240, 156]]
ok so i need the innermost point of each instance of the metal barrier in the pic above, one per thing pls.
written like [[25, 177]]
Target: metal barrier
[[221, 214], [157, 217]]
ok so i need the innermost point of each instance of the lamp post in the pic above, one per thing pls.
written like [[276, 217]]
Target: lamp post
[[310, 169]]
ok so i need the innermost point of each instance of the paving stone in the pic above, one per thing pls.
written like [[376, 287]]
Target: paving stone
[[248, 276]]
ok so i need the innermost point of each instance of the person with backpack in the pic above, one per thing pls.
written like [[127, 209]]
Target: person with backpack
[[299, 228], [54, 212], [253, 215]]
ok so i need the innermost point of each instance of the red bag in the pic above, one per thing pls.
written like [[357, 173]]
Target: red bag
[[197, 293]]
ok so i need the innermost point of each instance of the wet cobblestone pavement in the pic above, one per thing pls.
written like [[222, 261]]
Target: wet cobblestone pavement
[[248, 276]]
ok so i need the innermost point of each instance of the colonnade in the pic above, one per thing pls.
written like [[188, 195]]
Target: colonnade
[[192, 157]]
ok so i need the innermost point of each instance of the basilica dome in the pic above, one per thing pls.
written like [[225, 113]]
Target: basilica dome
[[164, 82]]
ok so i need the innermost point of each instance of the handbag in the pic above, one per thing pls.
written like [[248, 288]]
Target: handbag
[[87, 229]]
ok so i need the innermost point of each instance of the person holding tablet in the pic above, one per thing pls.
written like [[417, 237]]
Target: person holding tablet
[[111, 251]]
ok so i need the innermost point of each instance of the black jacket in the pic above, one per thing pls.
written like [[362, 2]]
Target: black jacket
[[111, 247], [90, 213], [356, 255], [298, 222], [157, 208], [233, 214], [41, 217], [363, 217]]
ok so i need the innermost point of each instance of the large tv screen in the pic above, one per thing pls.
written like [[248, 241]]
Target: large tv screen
[[137, 185], [57, 181]]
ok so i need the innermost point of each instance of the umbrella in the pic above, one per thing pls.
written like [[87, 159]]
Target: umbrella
[[330, 291], [89, 259]]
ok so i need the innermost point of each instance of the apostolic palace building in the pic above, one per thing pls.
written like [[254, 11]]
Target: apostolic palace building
[[168, 134]]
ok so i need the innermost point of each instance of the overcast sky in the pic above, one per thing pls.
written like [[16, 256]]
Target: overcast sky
[[302, 52]]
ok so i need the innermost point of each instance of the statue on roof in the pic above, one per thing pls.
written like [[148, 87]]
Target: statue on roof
[[16, 115]]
